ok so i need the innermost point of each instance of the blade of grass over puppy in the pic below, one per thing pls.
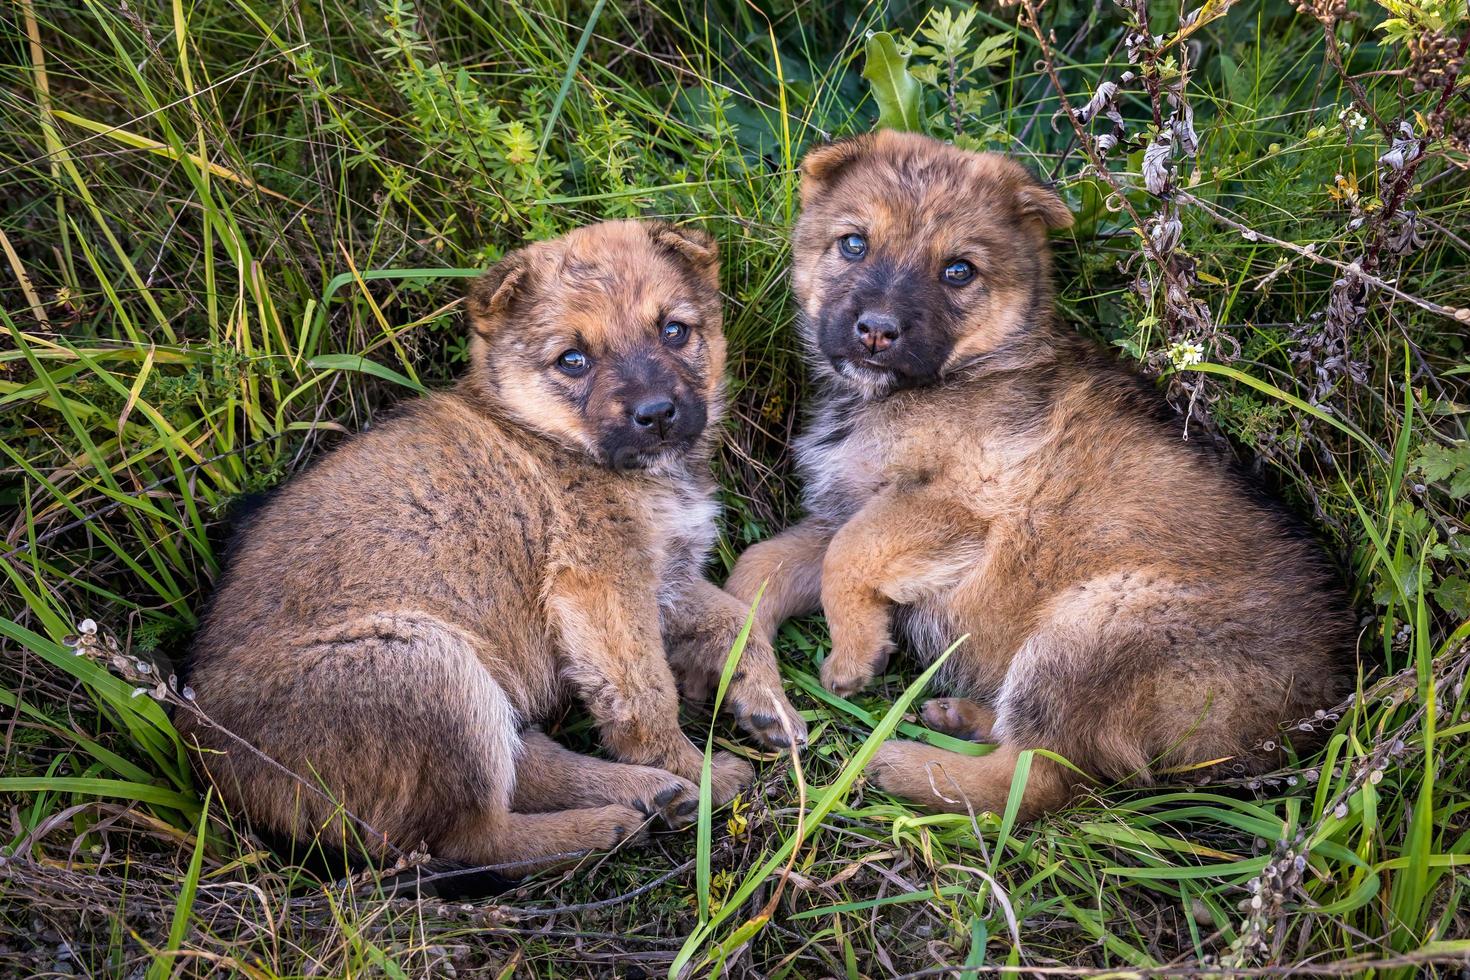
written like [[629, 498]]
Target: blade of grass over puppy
[[704, 841], [939, 740], [811, 825]]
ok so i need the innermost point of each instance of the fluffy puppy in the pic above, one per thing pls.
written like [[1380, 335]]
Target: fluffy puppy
[[396, 617], [972, 467]]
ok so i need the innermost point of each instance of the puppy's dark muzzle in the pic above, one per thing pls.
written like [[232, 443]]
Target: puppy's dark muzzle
[[654, 426]]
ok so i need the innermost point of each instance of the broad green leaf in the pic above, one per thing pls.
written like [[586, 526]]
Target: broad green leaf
[[356, 362], [894, 89]]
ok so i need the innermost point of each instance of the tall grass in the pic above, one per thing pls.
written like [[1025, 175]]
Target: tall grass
[[235, 230]]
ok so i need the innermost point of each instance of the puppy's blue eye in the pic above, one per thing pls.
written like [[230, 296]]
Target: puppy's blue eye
[[852, 246], [674, 333], [572, 362], [958, 272]]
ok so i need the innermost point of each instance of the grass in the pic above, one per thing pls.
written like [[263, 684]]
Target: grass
[[235, 230]]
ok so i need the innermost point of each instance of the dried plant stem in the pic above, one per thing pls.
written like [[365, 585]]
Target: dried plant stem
[[1460, 313]]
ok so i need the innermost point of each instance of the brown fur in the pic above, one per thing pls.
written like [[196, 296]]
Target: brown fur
[[1130, 603], [398, 614]]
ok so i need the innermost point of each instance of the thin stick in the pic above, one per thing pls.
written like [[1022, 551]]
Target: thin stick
[[1460, 313]]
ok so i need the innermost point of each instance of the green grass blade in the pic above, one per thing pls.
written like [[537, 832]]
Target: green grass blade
[[162, 965]]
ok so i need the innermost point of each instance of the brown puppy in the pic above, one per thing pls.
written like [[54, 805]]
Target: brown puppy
[[396, 616], [974, 468]]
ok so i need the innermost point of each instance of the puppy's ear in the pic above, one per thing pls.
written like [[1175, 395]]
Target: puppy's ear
[[1043, 204], [822, 165], [693, 246], [492, 296]]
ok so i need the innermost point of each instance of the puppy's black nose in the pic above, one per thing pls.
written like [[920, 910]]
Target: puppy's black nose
[[877, 331], [654, 411]]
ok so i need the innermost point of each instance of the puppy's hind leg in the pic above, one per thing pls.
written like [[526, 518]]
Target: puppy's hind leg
[[599, 805], [961, 783], [550, 777], [517, 844], [393, 719]]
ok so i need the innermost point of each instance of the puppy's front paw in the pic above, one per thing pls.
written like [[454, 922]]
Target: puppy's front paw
[[612, 825], [763, 711], [846, 671], [670, 801]]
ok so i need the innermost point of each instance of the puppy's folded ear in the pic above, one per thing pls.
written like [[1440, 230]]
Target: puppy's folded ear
[[691, 245], [1043, 204], [493, 295], [822, 165]]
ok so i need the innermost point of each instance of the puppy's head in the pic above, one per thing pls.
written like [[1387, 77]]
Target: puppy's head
[[607, 339], [913, 258]]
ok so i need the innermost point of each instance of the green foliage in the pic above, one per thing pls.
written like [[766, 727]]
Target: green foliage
[[959, 65], [1449, 465], [1416, 18], [894, 88]]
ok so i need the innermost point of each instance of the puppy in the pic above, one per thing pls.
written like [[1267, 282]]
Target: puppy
[[396, 617], [972, 467]]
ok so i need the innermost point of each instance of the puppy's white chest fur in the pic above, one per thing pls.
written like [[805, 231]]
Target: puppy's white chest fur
[[681, 523], [844, 459]]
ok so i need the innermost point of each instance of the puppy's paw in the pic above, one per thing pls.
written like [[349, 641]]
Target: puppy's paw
[[764, 712], [615, 825], [959, 717], [847, 671], [670, 801]]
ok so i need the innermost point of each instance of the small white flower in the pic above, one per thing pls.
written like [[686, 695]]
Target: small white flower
[[1353, 119], [1185, 354]]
